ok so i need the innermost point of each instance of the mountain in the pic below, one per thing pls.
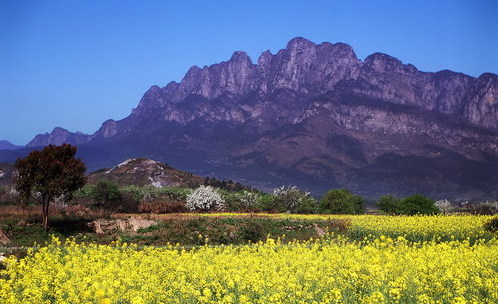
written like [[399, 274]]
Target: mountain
[[58, 136], [316, 116], [5, 145]]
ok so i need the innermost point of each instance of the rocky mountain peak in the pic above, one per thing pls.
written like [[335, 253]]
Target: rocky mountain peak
[[299, 45], [111, 127], [59, 136], [384, 63], [240, 57], [233, 76], [264, 59], [153, 98]]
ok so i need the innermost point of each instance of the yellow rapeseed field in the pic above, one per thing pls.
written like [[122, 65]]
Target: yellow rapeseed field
[[334, 269]]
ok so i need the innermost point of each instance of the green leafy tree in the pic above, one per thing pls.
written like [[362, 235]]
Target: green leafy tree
[[418, 204], [341, 201], [389, 204], [106, 192], [49, 174]]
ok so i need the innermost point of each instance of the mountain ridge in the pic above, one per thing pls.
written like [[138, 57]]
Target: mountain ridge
[[317, 116]]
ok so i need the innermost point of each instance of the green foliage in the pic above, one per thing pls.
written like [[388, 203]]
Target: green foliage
[[105, 192], [178, 194], [389, 204], [411, 205], [418, 204], [307, 205], [266, 203], [149, 193], [223, 185], [341, 201], [84, 192], [492, 225]]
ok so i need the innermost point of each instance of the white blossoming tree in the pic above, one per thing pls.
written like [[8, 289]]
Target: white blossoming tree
[[445, 206], [205, 198], [292, 200]]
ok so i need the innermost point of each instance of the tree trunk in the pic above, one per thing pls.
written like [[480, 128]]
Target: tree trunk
[[45, 213]]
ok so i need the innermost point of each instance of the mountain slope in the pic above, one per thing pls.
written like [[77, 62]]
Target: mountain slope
[[316, 116], [5, 145]]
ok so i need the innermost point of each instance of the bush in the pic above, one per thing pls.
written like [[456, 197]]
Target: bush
[[125, 204], [177, 194], [266, 203], [491, 225], [418, 204], [252, 231], [149, 193], [105, 192], [341, 201], [205, 198], [291, 199], [389, 204]]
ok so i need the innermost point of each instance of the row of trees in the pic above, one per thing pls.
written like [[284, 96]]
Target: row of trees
[[55, 174], [291, 199]]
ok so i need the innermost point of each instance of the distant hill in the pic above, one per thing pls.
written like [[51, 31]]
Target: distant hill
[[148, 172], [5, 145], [142, 172]]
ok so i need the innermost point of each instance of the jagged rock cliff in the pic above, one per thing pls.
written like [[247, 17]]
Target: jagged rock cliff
[[58, 136], [317, 116]]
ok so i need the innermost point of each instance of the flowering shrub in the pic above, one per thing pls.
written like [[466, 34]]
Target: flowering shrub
[[241, 200], [445, 206], [249, 200], [292, 200], [60, 202], [205, 198]]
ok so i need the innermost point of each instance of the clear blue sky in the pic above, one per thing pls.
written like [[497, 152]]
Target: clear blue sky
[[75, 64]]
